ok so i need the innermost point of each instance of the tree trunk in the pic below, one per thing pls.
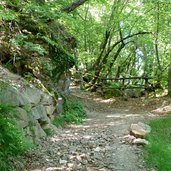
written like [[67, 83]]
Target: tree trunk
[[71, 7], [169, 81], [114, 59], [156, 38], [85, 30], [101, 64], [102, 49], [40, 2]]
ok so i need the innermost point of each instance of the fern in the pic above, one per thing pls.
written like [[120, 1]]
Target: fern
[[12, 140], [73, 113]]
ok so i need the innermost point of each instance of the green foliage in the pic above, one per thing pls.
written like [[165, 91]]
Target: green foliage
[[59, 120], [22, 40], [28, 76], [12, 139], [73, 113], [48, 131], [34, 29], [158, 152], [3, 86], [38, 28]]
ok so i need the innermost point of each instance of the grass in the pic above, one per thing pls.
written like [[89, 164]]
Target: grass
[[73, 112], [158, 153], [49, 131]]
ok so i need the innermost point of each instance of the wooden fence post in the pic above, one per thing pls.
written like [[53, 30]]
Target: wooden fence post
[[146, 86]]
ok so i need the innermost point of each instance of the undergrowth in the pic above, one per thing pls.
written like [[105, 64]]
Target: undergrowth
[[12, 139], [73, 112], [158, 153]]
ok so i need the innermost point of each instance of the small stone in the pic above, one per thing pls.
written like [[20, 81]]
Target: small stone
[[70, 165], [97, 149], [107, 148], [72, 157], [102, 169], [84, 162], [140, 141], [58, 153], [83, 155], [78, 167], [52, 169], [127, 139], [62, 161], [78, 158]]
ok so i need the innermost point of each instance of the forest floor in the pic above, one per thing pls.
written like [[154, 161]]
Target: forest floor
[[95, 145]]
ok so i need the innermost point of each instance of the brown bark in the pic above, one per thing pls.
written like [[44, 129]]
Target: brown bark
[[114, 58], [156, 50], [102, 49], [105, 58], [71, 7], [169, 81]]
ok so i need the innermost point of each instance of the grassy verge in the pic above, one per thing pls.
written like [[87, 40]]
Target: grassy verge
[[73, 112], [158, 153]]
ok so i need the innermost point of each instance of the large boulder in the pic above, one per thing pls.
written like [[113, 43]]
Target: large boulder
[[139, 130], [50, 110], [46, 99], [13, 96], [39, 113], [21, 117], [32, 94]]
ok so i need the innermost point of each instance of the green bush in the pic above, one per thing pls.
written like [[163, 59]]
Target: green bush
[[73, 113], [12, 139], [49, 131], [59, 120]]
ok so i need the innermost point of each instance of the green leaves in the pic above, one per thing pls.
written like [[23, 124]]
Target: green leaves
[[35, 47], [8, 15], [12, 139], [22, 40], [73, 113]]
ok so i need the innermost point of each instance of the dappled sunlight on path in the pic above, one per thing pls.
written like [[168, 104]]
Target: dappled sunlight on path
[[162, 110], [94, 145]]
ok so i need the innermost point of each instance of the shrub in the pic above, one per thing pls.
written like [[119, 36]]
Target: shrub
[[12, 139], [73, 113], [48, 131]]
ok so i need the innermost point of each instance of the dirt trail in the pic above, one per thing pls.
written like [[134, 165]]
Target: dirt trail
[[95, 145]]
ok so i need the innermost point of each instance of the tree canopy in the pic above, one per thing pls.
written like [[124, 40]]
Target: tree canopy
[[102, 38]]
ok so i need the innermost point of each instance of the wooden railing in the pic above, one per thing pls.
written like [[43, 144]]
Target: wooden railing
[[123, 85]]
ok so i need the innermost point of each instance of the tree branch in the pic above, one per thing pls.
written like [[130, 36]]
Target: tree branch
[[127, 37], [73, 6]]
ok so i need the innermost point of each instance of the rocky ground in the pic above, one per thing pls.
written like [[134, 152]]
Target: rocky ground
[[96, 144]]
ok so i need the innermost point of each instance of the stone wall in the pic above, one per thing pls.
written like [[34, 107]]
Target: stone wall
[[34, 109]]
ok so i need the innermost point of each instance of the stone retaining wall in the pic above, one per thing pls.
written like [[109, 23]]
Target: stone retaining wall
[[34, 109]]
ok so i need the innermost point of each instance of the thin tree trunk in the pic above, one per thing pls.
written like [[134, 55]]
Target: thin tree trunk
[[156, 38], [114, 58], [71, 7], [85, 31], [105, 58], [102, 49], [169, 81]]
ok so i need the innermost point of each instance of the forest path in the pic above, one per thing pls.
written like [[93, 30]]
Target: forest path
[[96, 144]]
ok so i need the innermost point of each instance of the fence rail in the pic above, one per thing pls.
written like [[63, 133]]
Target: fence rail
[[124, 86]]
